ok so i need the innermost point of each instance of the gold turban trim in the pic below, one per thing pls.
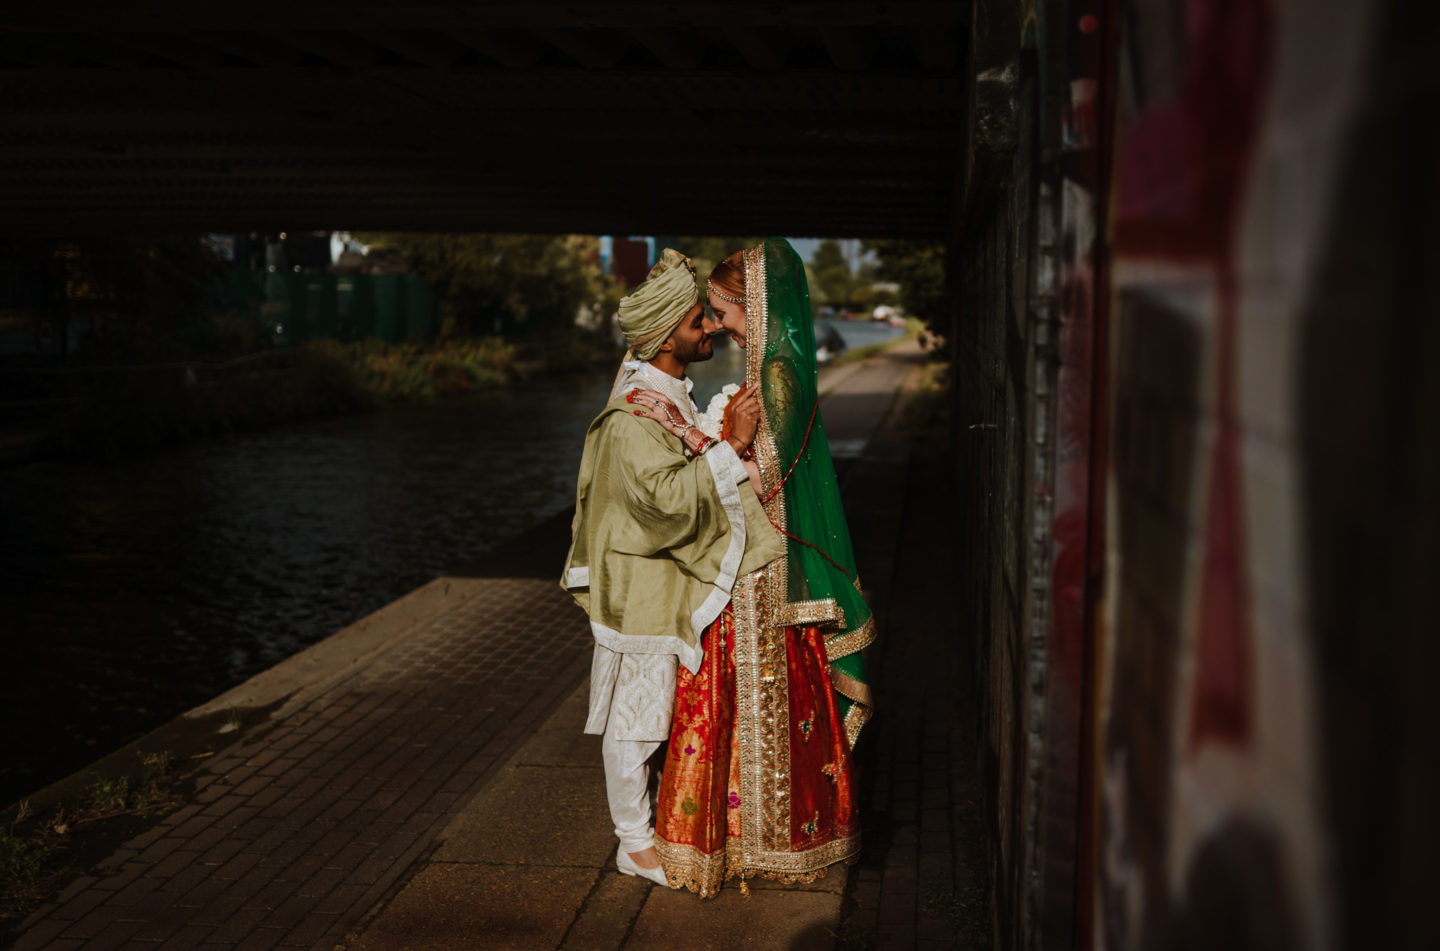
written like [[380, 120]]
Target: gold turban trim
[[651, 312]]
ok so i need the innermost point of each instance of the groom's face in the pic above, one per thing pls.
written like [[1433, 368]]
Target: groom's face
[[690, 343]]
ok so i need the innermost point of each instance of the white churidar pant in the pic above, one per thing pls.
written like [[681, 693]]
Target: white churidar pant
[[627, 786], [631, 697]]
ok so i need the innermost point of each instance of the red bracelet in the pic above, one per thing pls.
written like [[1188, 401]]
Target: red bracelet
[[705, 441]]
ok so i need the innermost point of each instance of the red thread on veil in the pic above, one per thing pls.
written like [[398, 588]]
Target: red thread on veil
[[795, 538], [798, 456]]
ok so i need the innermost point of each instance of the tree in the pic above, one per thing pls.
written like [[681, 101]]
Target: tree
[[919, 268], [833, 283], [507, 283]]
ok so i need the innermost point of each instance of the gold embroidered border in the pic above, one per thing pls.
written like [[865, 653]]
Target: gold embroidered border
[[851, 641], [823, 611], [856, 690], [855, 720], [775, 677], [747, 702], [756, 339], [859, 714], [804, 863], [772, 468], [762, 721], [785, 878], [734, 855], [687, 867]]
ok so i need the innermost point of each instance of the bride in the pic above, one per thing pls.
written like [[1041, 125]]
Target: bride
[[759, 778]]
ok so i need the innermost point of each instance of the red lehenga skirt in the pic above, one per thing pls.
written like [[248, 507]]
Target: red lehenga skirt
[[758, 778]]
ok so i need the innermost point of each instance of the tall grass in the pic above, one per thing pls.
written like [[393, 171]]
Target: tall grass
[[409, 373]]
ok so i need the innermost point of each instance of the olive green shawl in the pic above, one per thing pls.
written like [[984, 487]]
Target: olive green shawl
[[660, 539]]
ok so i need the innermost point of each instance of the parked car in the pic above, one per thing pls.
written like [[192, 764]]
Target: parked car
[[829, 344]]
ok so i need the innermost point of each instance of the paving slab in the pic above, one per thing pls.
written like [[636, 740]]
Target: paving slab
[[780, 920], [461, 906], [534, 815], [608, 914], [563, 747]]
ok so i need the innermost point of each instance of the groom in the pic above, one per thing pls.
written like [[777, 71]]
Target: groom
[[659, 538]]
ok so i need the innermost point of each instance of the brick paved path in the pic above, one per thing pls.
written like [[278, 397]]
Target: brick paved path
[[921, 880], [296, 832], [408, 792], [542, 876]]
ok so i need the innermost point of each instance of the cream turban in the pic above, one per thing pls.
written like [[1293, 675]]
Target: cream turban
[[653, 310]]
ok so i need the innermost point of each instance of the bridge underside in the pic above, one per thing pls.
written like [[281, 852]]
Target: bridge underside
[[734, 117]]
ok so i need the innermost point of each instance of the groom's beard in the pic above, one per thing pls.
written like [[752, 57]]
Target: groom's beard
[[698, 352]]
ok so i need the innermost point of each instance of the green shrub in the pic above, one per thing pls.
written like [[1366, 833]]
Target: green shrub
[[21, 857], [407, 373]]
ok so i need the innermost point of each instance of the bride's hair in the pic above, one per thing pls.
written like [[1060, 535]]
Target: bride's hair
[[729, 275]]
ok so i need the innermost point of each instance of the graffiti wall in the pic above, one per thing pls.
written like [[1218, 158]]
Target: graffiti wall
[[1250, 741], [1196, 388]]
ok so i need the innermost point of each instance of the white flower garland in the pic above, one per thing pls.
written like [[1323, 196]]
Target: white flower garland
[[710, 421]]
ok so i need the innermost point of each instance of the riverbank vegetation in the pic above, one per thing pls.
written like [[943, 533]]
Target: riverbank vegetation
[[143, 342], [39, 851], [138, 343], [514, 286], [396, 373]]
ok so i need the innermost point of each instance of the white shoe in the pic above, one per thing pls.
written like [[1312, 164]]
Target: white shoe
[[627, 866]]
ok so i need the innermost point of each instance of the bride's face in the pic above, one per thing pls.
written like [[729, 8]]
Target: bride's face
[[730, 317]]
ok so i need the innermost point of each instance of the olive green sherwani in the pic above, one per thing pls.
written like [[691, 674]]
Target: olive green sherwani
[[659, 539]]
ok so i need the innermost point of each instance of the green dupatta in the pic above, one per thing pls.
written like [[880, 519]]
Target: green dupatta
[[817, 583]]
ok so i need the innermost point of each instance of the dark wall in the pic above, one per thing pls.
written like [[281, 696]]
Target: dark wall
[[1367, 391], [1004, 386], [1030, 292]]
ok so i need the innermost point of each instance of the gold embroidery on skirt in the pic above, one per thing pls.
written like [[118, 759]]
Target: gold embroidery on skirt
[[687, 867], [822, 612]]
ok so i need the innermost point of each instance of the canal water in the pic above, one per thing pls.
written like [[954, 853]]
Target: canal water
[[134, 590]]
